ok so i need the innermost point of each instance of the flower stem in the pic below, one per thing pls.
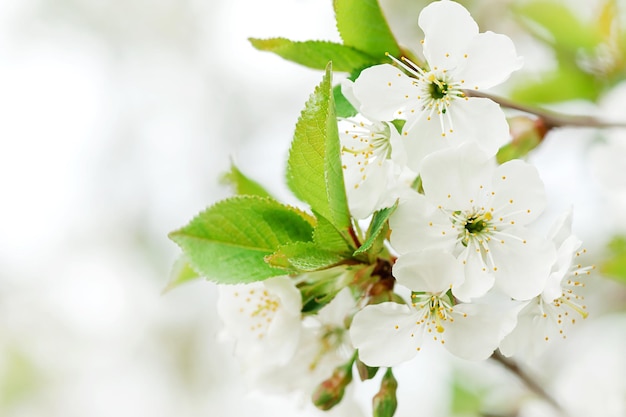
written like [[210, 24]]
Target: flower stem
[[550, 118], [527, 380]]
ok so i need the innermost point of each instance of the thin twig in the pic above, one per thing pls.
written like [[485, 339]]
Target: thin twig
[[527, 380], [550, 118]]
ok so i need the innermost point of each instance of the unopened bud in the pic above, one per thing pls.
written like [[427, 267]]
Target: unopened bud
[[330, 392], [384, 403], [526, 133]]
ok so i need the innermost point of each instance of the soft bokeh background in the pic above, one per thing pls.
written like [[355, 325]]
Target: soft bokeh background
[[117, 119]]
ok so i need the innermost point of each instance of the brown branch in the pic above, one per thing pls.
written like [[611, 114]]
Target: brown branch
[[551, 119], [527, 380]]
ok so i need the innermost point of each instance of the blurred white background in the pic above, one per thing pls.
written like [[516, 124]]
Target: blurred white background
[[116, 120]]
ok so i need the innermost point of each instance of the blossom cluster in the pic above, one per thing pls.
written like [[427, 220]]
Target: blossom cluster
[[469, 267]]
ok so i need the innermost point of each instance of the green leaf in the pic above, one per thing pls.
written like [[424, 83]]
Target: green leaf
[[326, 236], [228, 242], [565, 29], [342, 106], [464, 400], [615, 265], [377, 230], [314, 172], [242, 184], [362, 25], [181, 273], [301, 257], [21, 378], [365, 372], [316, 54], [564, 83]]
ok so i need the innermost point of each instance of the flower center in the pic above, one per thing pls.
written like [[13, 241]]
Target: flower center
[[477, 224], [438, 88], [474, 225], [260, 307], [368, 140], [435, 308]]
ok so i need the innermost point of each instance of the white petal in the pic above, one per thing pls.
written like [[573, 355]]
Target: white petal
[[346, 89], [423, 139], [478, 278], [336, 311], [416, 224], [286, 290], [478, 120], [482, 121], [367, 189], [562, 228], [529, 336], [382, 334], [429, 270], [451, 178], [491, 58], [448, 27], [480, 332], [523, 262], [564, 258], [520, 195], [382, 91]]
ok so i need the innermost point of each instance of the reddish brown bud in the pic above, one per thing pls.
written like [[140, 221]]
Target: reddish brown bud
[[330, 392]]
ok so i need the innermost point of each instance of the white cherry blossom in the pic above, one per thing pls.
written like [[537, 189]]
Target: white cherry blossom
[[432, 99], [479, 212], [546, 317], [389, 333], [369, 172], [323, 343], [264, 320]]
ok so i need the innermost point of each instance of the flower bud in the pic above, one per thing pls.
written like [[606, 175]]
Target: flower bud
[[330, 392], [384, 403], [526, 134]]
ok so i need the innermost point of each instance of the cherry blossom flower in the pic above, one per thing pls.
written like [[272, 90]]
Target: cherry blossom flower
[[479, 212], [546, 317], [389, 333], [264, 320], [369, 172], [432, 100], [323, 343], [373, 160]]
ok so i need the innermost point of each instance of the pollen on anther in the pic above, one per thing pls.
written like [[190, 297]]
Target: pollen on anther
[[397, 327], [464, 55]]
